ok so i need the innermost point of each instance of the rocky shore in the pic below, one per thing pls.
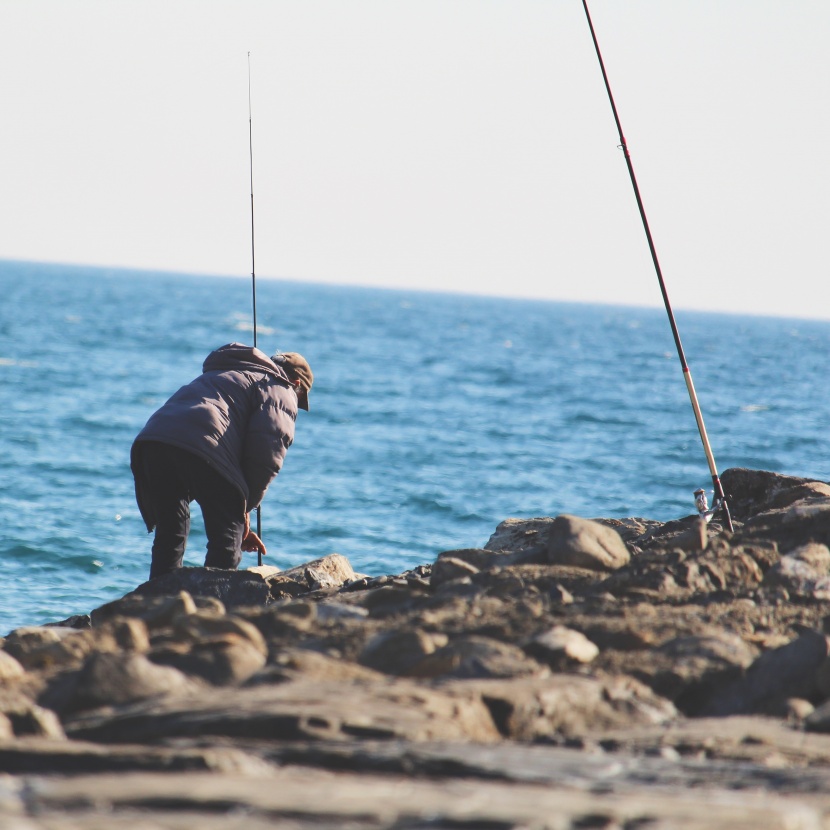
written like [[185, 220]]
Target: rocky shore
[[573, 673]]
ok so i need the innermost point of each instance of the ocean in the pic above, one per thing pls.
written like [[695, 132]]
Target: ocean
[[433, 417]]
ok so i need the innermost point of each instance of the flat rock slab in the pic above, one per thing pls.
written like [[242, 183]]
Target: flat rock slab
[[50, 757], [300, 710], [255, 586], [766, 742], [636, 760], [314, 798]]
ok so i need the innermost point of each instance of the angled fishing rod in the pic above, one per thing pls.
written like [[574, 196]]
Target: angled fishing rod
[[720, 498], [253, 259]]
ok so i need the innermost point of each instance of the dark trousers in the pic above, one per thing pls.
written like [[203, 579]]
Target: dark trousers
[[174, 478]]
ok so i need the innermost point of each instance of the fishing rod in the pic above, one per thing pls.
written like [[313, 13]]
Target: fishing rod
[[253, 259], [720, 497]]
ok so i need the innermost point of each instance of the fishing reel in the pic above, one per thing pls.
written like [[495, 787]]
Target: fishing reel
[[702, 505]]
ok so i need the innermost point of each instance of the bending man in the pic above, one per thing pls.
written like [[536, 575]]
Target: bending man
[[219, 441]]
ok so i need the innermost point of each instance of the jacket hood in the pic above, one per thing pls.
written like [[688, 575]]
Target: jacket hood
[[237, 356]]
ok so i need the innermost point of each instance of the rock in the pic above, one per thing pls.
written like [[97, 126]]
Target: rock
[[680, 533], [814, 555], [74, 646], [447, 568], [564, 540], [585, 544], [481, 788], [117, 679], [36, 721], [232, 588], [329, 611], [506, 666], [476, 657], [751, 492], [568, 705], [26, 718], [227, 660], [127, 633], [560, 645], [222, 650], [157, 612], [201, 627], [264, 571], [631, 529], [397, 652], [526, 537], [332, 571], [776, 676], [26, 644], [477, 559], [791, 527], [296, 711], [804, 572], [303, 664], [689, 669], [75, 621], [10, 668], [54, 758], [675, 572], [391, 600], [694, 538]]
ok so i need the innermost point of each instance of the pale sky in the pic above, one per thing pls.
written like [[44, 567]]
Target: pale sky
[[463, 145]]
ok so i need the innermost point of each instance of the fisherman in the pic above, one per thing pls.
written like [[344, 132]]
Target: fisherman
[[219, 441]]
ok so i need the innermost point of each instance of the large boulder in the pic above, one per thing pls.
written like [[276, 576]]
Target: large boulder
[[529, 709], [780, 674], [477, 657], [398, 651], [585, 544], [750, 492], [231, 588], [564, 540], [114, 680], [802, 523], [803, 573]]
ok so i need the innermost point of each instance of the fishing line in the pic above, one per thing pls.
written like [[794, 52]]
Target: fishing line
[[720, 498], [253, 260]]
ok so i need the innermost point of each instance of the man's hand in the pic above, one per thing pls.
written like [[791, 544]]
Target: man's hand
[[251, 543]]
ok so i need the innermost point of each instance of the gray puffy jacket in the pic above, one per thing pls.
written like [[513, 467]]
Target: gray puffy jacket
[[238, 415]]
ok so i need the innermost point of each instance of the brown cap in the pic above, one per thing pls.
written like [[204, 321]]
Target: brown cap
[[299, 372]]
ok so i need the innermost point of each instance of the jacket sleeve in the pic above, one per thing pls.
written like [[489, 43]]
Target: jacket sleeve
[[269, 435]]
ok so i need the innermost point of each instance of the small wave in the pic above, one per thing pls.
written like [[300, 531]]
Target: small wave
[[41, 558], [437, 507], [98, 424], [249, 326], [328, 532], [591, 418], [755, 407], [10, 361], [23, 552]]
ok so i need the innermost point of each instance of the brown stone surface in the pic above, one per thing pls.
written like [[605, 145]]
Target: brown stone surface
[[573, 673]]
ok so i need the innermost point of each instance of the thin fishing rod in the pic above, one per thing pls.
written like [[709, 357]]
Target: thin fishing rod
[[253, 259], [687, 375], [251, 167]]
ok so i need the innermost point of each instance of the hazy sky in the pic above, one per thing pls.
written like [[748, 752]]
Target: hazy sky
[[465, 145]]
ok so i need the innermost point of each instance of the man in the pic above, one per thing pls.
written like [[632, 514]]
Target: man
[[219, 441]]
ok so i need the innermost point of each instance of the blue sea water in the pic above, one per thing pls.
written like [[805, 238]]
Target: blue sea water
[[434, 417]]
